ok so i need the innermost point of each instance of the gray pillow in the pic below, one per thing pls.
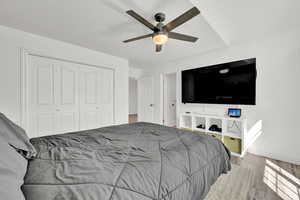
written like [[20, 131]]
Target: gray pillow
[[16, 137], [13, 167], [15, 149]]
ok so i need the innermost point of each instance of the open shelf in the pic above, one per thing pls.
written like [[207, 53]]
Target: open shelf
[[233, 131], [234, 128], [214, 123], [200, 123], [186, 122]]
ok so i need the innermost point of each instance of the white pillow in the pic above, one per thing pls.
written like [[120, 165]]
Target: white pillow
[[13, 167]]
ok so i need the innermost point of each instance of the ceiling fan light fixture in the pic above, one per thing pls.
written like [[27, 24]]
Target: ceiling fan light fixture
[[162, 32], [160, 38]]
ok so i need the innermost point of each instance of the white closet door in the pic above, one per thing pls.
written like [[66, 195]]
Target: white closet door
[[41, 97], [52, 98], [106, 97], [96, 99], [64, 97], [89, 108], [67, 97]]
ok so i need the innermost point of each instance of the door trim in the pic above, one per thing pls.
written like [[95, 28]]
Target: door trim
[[23, 91]]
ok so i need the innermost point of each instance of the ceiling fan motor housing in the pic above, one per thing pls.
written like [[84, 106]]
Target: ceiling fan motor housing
[[160, 17]]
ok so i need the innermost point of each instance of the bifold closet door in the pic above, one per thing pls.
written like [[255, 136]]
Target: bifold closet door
[[96, 97], [53, 105], [64, 96]]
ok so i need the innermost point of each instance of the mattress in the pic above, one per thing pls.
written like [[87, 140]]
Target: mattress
[[140, 161]]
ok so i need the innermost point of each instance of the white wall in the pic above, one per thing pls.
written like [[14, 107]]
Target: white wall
[[171, 86], [135, 73], [278, 96], [12, 41], [133, 98]]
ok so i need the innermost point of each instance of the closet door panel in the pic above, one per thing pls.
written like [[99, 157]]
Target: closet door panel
[[106, 96], [46, 124], [68, 122], [106, 117], [41, 96], [89, 106], [53, 106], [90, 120], [90, 87], [68, 86], [67, 97], [96, 102], [106, 86], [45, 83]]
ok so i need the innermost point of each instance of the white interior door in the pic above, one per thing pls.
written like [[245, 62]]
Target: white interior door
[[52, 98], [97, 97], [145, 99], [170, 100]]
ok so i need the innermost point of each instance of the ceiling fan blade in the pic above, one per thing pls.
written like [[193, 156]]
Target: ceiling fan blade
[[182, 18], [179, 36], [141, 19], [158, 48], [138, 38]]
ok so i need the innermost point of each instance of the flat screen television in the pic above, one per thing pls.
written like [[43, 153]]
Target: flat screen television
[[228, 83]]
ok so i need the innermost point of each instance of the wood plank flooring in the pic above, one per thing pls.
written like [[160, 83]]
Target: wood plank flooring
[[274, 180], [132, 118]]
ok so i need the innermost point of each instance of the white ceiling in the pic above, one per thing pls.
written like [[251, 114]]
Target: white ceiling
[[242, 20], [103, 24]]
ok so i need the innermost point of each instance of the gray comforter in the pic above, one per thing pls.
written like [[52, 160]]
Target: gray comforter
[[141, 161]]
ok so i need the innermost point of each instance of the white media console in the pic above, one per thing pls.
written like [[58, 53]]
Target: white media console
[[236, 133]]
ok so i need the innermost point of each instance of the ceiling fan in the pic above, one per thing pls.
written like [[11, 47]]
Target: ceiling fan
[[161, 33]]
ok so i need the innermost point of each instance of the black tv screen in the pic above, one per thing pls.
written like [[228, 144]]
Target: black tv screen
[[228, 83]]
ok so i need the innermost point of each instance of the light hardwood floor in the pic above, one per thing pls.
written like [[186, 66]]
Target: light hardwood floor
[[132, 118], [273, 179]]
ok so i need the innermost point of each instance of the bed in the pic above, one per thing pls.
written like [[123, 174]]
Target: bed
[[140, 161]]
